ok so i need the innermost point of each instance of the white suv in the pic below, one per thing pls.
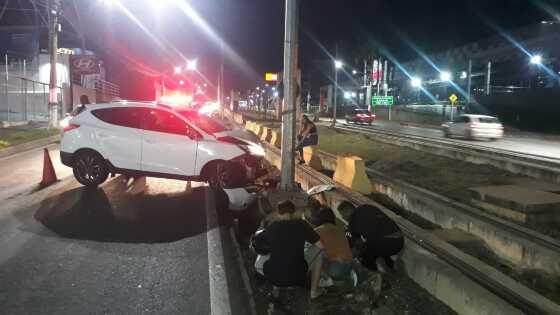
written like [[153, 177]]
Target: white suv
[[144, 139]]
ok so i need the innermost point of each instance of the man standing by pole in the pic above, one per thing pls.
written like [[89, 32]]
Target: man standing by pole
[[54, 11], [288, 111]]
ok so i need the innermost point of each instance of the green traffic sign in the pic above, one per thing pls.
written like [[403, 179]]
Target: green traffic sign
[[382, 100]]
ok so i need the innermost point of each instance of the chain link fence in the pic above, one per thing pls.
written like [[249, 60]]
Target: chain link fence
[[25, 100]]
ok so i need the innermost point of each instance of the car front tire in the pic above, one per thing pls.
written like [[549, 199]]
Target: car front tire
[[218, 175], [90, 169]]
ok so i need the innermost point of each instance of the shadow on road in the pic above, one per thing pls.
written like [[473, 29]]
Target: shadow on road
[[117, 213]]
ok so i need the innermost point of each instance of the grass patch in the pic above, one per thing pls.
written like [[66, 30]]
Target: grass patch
[[19, 137], [443, 175]]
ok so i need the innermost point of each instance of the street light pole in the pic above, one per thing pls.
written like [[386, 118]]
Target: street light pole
[[488, 77], [469, 82], [54, 8], [287, 180], [333, 123]]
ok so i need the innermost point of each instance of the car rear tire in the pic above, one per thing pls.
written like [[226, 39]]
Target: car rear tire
[[90, 169]]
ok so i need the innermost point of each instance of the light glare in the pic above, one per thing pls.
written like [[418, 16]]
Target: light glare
[[416, 82], [445, 76], [338, 64], [536, 59]]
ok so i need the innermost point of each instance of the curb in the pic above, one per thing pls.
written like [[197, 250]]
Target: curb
[[28, 146], [244, 273]]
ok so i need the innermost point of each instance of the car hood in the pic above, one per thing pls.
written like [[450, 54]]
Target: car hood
[[243, 135]]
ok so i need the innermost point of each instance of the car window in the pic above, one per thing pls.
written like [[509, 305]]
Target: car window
[[120, 116], [488, 120], [462, 119], [163, 121]]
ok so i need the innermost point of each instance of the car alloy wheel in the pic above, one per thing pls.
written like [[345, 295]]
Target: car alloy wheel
[[90, 169]]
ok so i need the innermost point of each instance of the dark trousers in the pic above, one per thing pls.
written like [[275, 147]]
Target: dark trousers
[[309, 140], [383, 247]]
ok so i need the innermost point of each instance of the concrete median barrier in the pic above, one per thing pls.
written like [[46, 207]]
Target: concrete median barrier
[[351, 172], [311, 158], [276, 138]]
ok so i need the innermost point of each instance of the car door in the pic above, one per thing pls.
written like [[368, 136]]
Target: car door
[[166, 145], [119, 136], [459, 125]]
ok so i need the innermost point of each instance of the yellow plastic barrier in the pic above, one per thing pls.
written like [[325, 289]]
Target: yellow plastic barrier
[[311, 158], [267, 134], [351, 172], [249, 125], [258, 130], [276, 138]]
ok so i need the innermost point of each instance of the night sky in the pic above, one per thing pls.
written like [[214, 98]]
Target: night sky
[[254, 30]]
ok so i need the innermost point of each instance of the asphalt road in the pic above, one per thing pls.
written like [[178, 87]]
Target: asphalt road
[[528, 143], [129, 247]]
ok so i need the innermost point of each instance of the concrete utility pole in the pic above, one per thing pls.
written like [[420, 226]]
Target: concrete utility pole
[[385, 85], [488, 77], [469, 82], [309, 101], [54, 13], [287, 170], [333, 123]]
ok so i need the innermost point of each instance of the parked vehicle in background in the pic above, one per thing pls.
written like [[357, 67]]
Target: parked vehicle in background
[[474, 127], [359, 115], [145, 139]]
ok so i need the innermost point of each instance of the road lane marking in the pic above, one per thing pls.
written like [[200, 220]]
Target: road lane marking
[[219, 292]]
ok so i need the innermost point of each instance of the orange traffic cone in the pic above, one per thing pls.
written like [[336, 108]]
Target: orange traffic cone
[[49, 175]]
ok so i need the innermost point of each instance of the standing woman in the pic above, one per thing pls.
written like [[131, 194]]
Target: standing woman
[[307, 135]]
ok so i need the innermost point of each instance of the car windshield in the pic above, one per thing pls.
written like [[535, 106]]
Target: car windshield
[[207, 124], [489, 120], [362, 111]]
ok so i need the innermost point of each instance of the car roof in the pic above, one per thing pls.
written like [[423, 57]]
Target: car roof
[[117, 104], [478, 116]]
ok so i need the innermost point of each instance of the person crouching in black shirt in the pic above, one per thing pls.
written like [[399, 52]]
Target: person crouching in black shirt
[[290, 260], [373, 235]]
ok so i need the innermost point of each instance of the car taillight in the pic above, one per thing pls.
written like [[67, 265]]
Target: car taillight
[[70, 127]]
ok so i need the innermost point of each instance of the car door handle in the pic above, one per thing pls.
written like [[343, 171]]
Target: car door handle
[[150, 141], [103, 135]]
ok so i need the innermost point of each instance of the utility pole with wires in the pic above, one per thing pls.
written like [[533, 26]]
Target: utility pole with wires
[[287, 180], [54, 27]]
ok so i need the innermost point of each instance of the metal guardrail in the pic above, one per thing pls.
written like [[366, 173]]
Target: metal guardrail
[[550, 161], [516, 162]]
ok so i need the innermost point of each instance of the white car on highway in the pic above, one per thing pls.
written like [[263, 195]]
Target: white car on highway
[[145, 139], [474, 127]]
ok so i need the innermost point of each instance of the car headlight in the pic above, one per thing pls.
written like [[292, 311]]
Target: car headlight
[[256, 150]]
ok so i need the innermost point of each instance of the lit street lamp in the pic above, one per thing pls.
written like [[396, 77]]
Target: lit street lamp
[[536, 59], [417, 84], [192, 64], [445, 76], [337, 65]]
